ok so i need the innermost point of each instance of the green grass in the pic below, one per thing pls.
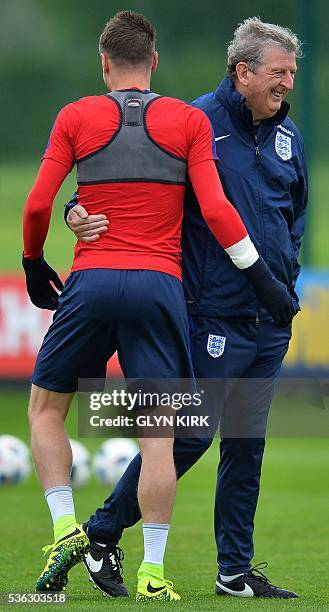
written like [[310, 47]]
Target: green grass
[[16, 181], [291, 528]]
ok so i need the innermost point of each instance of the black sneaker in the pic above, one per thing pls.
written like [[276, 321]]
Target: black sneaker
[[252, 584], [104, 567]]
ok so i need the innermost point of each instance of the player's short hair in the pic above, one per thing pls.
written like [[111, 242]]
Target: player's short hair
[[128, 38], [252, 37]]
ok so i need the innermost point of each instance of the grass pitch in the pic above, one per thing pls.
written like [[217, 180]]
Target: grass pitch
[[291, 529]]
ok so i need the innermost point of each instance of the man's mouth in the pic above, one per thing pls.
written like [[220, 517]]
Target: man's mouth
[[278, 94]]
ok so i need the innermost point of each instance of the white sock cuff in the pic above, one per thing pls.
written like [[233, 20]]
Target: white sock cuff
[[156, 526], [60, 501], [57, 490], [155, 541]]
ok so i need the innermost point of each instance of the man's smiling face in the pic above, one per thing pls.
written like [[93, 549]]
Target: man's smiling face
[[270, 83]]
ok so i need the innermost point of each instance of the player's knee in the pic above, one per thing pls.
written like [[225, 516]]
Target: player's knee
[[47, 403], [36, 405]]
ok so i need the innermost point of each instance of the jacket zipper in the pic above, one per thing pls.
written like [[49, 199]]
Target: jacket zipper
[[260, 199]]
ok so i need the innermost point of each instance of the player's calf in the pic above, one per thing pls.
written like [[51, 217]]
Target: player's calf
[[156, 494]]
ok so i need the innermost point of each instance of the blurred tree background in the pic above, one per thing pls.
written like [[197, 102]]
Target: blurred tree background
[[49, 57]]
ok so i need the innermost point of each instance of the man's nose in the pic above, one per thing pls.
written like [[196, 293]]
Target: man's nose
[[288, 80]]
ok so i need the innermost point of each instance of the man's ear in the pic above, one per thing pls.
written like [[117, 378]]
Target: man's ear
[[105, 63], [155, 61], [242, 73]]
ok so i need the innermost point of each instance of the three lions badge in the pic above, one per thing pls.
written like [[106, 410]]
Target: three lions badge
[[216, 345], [283, 146]]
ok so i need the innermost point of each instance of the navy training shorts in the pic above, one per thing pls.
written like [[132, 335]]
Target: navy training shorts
[[139, 313]]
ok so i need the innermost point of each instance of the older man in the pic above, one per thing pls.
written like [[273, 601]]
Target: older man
[[262, 168]]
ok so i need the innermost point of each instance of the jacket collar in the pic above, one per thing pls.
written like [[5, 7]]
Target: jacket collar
[[235, 103]]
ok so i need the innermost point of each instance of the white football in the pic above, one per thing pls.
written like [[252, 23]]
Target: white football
[[15, 464], [112, 459], [80, 473]]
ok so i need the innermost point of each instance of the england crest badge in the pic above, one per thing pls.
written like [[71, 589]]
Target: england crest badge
[[283, 146], [216, 345]]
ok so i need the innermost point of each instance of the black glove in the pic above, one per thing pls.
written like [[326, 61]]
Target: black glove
[[271, 293], [38, 276]]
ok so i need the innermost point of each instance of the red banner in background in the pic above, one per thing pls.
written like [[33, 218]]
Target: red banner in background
[[22, 328]]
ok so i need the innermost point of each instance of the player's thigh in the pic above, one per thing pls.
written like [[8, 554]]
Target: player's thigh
[[153, 342], [78, 342]]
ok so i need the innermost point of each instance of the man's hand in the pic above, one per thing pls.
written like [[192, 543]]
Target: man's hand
[[39, 277], [87, 228], [279, 304], [271, 293]]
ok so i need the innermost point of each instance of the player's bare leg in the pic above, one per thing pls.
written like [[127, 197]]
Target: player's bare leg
[[156, 494], [53, 461], [157, 481], [50, 445]]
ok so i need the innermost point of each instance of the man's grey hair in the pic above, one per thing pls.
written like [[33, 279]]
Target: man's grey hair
[[252, 37]]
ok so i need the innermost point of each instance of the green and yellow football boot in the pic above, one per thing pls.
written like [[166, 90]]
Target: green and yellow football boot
[[151, 585], [64, 554]]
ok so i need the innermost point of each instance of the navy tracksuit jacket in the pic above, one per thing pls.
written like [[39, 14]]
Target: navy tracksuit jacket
[[264, 175]]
